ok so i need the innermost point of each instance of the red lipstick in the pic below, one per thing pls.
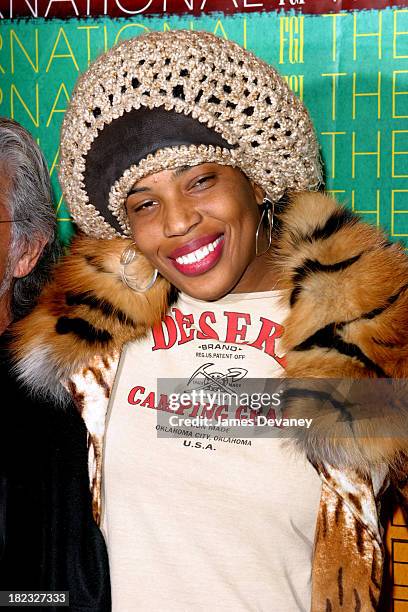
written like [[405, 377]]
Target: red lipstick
[[193, 245], [206, 260]]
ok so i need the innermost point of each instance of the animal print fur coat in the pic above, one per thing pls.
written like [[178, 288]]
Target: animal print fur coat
[[348, 318]]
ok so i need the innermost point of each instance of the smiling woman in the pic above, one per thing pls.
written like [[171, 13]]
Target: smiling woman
[[197, 226], [192, 170]]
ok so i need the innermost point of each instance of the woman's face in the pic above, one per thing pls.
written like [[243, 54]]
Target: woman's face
[[197, 226]]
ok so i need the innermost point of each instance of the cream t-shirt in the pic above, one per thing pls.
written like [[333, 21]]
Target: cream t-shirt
[[205, 521]]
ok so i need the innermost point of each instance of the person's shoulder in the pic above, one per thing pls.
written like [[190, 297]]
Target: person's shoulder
[[85, 312], [337, 267], [33, 427], [348, 319]]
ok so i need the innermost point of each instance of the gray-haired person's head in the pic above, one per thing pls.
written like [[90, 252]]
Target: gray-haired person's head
[[28, 200]]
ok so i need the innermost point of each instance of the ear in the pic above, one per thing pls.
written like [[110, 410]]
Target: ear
[[29, 257], [258, 192]]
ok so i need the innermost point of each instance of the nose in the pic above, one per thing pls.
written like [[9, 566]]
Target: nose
[[180, 216]]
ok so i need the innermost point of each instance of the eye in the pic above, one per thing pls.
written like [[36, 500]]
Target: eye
[[141, 206], [203, 182]]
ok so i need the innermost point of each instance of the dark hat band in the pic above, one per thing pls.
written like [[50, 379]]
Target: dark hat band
[[131, 138]]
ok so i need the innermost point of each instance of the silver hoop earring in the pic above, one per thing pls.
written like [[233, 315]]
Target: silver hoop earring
[[269, 209], [128, 256]]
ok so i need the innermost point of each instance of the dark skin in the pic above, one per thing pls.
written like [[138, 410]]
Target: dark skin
[[169, 209]]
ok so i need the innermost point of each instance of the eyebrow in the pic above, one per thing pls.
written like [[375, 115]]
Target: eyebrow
[[136, 190], [179, 171], [176, 173]]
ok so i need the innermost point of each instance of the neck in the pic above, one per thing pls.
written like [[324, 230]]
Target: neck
[[261, 275], [5, 312]]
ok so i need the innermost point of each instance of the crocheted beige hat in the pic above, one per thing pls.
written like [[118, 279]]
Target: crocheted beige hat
[[168, 99]]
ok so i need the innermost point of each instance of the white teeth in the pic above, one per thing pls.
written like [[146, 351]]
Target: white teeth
[[198, 254]]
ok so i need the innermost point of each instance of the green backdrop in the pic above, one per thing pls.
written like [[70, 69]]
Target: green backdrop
[[350, 68]]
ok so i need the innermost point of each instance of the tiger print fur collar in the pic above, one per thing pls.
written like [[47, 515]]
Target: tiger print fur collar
[[347, 293]]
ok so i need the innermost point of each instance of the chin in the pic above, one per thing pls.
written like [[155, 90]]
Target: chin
[[217, 284]]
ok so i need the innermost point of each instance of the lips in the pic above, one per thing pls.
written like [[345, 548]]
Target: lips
[[198, 256], [193, 245]]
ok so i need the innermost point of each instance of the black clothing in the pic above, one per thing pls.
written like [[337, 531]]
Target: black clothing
[[48, 538]]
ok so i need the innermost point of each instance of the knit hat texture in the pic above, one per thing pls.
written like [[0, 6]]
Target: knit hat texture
[[249, 119]]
